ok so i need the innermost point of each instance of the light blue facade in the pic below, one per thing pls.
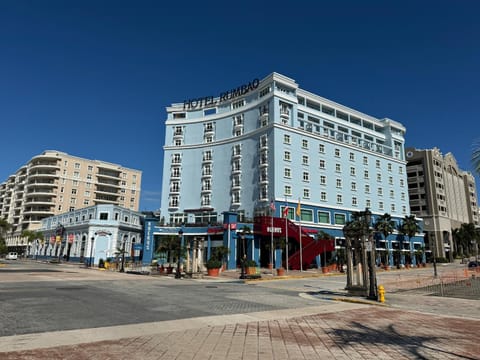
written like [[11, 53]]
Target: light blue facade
[[269, 139], [90, 234]]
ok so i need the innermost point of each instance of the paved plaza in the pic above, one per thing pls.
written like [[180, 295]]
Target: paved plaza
[[405, 327]]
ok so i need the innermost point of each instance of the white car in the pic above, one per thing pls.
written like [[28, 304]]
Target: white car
[[11, 256]]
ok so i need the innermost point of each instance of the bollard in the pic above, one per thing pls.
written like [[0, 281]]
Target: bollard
[[381, 293]]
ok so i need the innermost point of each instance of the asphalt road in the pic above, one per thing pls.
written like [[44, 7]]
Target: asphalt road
[[37, 297]]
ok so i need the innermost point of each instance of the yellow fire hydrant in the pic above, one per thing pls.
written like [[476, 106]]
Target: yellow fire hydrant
[[381, 293]]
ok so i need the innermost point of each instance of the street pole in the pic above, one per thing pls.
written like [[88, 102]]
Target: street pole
[[91, 251], [244, 256], [178, 275]]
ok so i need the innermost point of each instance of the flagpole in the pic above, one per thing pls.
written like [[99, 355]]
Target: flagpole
[[272, 209], [299, 214], [286, 233]]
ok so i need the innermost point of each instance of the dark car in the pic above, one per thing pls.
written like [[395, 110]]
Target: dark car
[[473, 264]]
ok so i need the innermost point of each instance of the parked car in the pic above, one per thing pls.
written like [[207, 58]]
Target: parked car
[[473, 264], [11, 256]]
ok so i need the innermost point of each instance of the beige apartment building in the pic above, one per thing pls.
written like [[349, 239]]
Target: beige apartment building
[[443, 195], [55, 182]]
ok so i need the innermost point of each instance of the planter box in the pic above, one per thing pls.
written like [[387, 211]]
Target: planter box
[[251, 270], [213, 272]]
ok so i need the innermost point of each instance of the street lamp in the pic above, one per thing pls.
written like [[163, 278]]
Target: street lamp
[[244, 256], [122, 268], [434, 256], [178, 275], [91, 250], [367, 217]]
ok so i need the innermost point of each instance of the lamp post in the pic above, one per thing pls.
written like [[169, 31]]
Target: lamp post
[[434, 252], [367, 217], [122, 268], [244, 256], [178, 275], [92, 240]]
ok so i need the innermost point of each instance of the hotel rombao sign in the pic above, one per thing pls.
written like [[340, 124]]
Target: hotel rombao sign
[[210, 101]]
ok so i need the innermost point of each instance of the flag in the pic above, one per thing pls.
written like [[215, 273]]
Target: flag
[[298, 209], [272, 205], [285, 211]]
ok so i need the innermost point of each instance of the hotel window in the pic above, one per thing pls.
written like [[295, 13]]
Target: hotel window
[[90, 168], [209, 139], [400, 170], [207, 170], [322, 164], [389, 167], [306, 176], [392, 208], [87, 193], [368, 203], [339, 199], [306, 193], [264, 193], [237, 149], [89, 176], [207, 155], [236, 180], [354, 201], [238, 120], [379, 191], [323, 217], [61, 198], [365, 174], [339, 183], [287, 173], [338, 168], [379, 177], [354, 186], [392, 194], [365, 160], [286, 139], [287, 190], [352, 171], [402, 196], [88, 185], [76, 174], [73, 201], [323, 180], [380, 205], [352, 156], [178, 142], [402, 183], [77, 165], [264, 91], [86, 202], [176, 159], [377, 164], [175, 186], [404, 209], [323, 196], [304, 159], [74, 191], [390, 180], [286, 156], [238, 104], [62, 189], [340, 219], [236, 197], [337, 152], [367, 189], [206, 199], [74, 182], [304, 144], [306, 215], [177, 130], [321, 148], [124, 183], [236, 165], [207, 184], [208, 127], [238, 132]]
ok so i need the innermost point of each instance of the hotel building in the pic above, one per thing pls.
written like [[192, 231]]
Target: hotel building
[[442, 194], [55, 182], [268, 144]]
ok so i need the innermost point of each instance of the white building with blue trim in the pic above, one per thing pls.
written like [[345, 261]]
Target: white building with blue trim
[[271, 140]]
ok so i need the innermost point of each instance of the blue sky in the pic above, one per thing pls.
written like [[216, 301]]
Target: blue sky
[[93, 78]]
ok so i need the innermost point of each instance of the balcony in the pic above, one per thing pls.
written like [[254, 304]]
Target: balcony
[[44, 165]]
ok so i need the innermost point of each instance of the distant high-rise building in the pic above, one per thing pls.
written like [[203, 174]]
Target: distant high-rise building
[[444, 196], [55, 182]]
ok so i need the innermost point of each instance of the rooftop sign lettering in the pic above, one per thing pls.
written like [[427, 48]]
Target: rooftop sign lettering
[[210, 101]]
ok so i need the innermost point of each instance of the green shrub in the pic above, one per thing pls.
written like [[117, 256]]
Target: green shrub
[[251, 263], [213, 263]]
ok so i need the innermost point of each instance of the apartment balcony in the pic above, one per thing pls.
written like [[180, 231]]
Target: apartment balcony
[[236, 186], [41, 183], [38, 201], [106, 191], [40, 192], [174, 191], [105, 201], [263, 164], [44, 166], [43, 174], [237, 155], [206, 190], [285, 114], [109, 183], [207, 160], [39, 211], [236, 170], [111, 176]]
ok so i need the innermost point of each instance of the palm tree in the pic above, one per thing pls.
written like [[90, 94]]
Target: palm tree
[[32, 236], [385, 225], [409, 226], [4, 227]]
